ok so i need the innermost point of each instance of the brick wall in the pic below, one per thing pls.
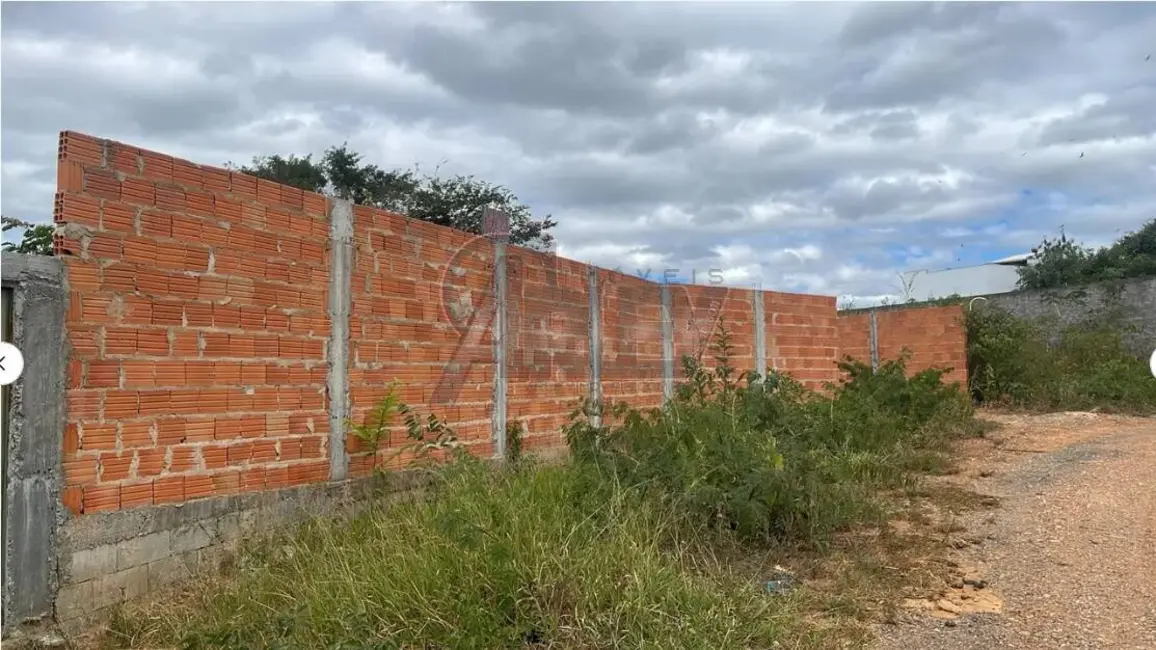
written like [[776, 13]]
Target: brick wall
[[935, 337], [855, 336], [198, 326], [699, 311], [202, 331], [420, 316], [548, 359], [631, 349], [802, 337]]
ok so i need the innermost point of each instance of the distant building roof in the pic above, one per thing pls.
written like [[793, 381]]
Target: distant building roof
[[999, 276], [1016, 260]]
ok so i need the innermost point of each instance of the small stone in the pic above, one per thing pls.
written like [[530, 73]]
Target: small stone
[[958, 584], [951, 622], [978, 583]]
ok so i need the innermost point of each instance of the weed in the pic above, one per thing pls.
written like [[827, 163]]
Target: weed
[[767, 460], [634, 543], [497, 559], [425, 437], [515, 437], [1013, 362]]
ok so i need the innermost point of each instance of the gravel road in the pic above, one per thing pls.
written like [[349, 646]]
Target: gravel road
[[1069, 558]]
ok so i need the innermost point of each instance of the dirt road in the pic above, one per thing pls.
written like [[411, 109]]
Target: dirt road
[[1069, 558]]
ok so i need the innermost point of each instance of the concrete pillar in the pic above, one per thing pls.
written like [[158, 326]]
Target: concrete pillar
[[340, 299], [760, 333], [36, 298], [496, 227], [667, 344], [873, 341], [595, 345]]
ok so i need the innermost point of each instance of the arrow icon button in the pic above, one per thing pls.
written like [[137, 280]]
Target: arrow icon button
[[11, 363]]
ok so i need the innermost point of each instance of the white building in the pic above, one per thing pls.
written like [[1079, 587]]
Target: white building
[[999, 276]]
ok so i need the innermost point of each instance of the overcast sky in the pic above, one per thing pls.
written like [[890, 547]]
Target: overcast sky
[[812, 147]]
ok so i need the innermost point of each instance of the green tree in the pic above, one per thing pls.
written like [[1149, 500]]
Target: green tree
[[455, 201], [36, 240], [1063, 261]]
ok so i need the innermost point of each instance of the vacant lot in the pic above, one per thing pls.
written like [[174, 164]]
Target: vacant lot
[[748, 513]]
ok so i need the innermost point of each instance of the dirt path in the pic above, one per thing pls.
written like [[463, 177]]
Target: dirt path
[[1069, 558]]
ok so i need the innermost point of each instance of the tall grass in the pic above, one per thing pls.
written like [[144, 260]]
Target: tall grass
[[617, 548], [768, 460], [1012, 362], [495, 559]]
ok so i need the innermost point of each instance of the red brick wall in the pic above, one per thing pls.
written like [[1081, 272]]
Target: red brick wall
[[631, 346], [698, 311], [802, 337], [935, 337], [548, 357], [198, 328], [420, 316], [855, 336]]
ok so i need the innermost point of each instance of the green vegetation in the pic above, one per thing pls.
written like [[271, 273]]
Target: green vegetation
[[35, 240], [453, 201], [1012, 362], [1064, 262], [657, 533], [770, 461]]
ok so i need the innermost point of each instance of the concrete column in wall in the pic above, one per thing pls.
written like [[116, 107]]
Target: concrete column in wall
[[594, 328], [340, 298], [667, 344], [34, 425], [873, 340], [760, 333], [496, 227]]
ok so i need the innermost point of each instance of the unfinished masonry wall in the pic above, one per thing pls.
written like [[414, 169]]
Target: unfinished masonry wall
[[934, 336], [224, 330]]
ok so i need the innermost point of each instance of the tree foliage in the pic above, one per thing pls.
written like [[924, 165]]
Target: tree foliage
[[1063, 261], [36, 240], [455, 201]]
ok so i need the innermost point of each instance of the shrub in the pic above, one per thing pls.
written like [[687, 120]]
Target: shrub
[[1012, 362], [764, 458]]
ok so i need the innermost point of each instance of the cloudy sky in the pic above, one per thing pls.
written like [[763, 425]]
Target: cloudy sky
[[811, 147]]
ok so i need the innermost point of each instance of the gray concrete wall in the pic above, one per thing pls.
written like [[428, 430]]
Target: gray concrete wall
[[1128, 303], [109, 558], [33, 435], [1131, 303]]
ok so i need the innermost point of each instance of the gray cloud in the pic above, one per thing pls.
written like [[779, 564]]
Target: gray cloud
[[819, 147]]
